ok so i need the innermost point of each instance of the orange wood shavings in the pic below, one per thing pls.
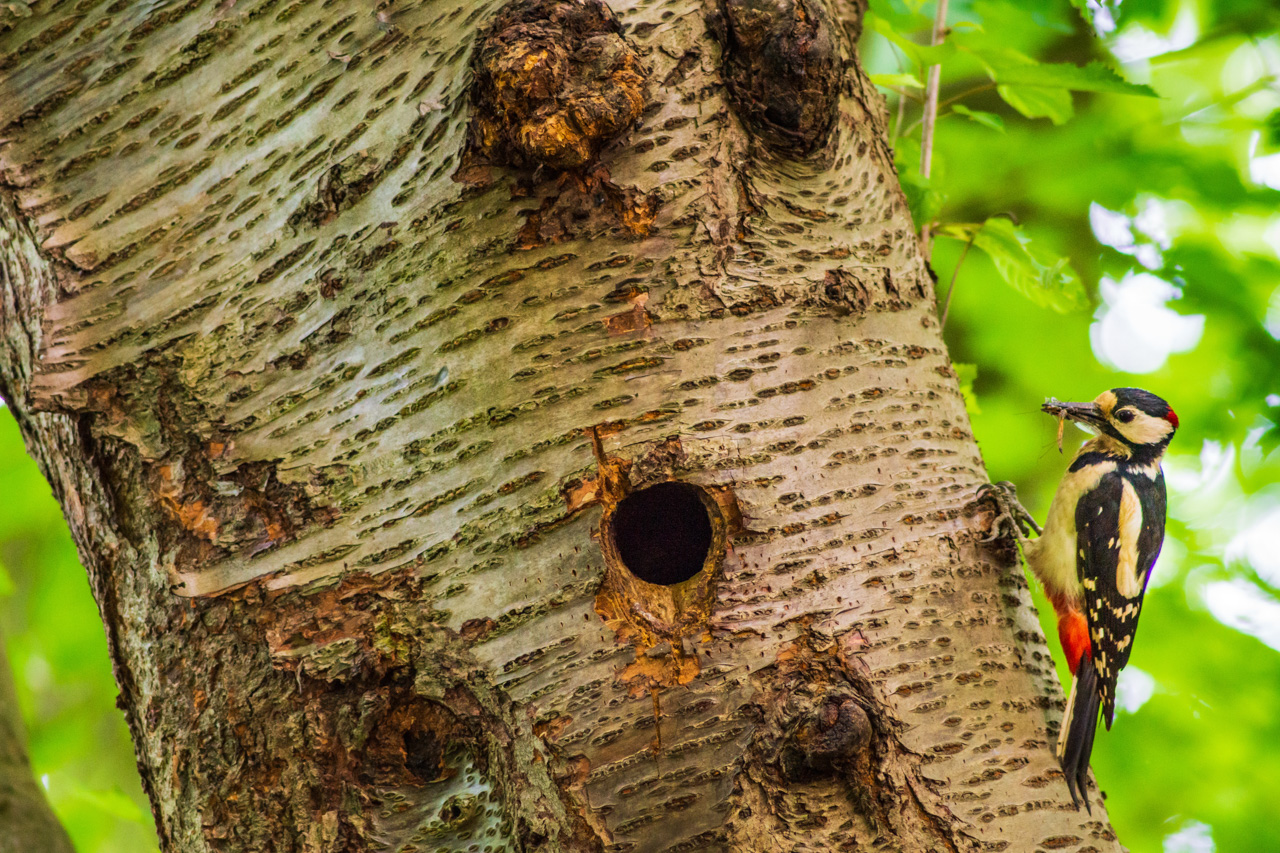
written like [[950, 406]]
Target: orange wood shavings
[[646, 673], [194, 517], [611, 483], [581, 493], [614, 484], [729, 509], [552, 729], [629, 321]]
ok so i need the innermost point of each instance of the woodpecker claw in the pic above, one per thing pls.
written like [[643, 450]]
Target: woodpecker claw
[[1012, 518]]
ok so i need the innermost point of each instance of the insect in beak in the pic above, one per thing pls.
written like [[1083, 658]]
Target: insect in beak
[[1088, 415]]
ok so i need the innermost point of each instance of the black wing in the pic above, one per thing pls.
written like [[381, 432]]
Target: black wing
[[1100, 538]]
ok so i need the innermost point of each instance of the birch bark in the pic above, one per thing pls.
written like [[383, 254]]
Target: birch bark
[[359, 406]]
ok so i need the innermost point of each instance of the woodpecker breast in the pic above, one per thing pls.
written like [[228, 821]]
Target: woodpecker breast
[[1053, 556]]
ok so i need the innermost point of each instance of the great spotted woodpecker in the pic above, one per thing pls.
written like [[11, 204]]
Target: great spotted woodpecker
[[1094, 557]]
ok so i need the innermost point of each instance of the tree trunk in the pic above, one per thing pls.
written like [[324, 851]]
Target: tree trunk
[[494, 428]]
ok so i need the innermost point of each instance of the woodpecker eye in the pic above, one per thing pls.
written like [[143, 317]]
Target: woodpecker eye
[[1124, 415]]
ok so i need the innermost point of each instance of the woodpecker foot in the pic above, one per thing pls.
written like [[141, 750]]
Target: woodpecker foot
[[1012, 518]]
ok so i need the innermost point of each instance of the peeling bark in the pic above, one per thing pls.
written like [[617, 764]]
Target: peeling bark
[[344, 393]]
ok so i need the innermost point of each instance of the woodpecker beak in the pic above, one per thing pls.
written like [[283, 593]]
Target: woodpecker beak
[[1082, 413]]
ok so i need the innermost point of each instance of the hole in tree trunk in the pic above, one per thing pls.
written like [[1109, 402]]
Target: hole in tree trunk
[[663, 532]]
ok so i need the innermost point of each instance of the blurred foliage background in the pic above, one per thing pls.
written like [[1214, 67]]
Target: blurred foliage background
[[1103, 194]]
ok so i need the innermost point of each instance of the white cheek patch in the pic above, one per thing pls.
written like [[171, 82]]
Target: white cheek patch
[[1145, 429]]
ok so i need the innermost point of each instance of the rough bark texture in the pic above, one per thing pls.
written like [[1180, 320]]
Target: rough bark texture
[[345, 415]]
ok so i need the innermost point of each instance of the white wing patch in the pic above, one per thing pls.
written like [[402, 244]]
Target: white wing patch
[[1127, 581]]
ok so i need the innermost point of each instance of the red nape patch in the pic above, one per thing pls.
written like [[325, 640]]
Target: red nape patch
[[1073, 631], [1172, 418]]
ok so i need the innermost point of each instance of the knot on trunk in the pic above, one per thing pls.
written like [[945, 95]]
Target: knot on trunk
[[555, 82], [819, 720], [782, 67], [829, 737]]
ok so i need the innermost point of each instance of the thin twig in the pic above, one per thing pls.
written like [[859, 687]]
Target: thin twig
[[903, 92], [897, 122], [931, 92], [930, 117], [902, 104], [966, 93], [1228, 100], [946, 306]]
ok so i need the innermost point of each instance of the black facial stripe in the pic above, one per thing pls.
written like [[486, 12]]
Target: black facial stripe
[[1086, 459], [1143, 401], [1112, 431]]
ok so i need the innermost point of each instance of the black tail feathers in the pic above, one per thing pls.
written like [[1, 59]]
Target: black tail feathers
[[1078, 728]]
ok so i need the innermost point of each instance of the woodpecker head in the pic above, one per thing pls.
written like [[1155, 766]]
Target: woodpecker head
[[1138, 420]]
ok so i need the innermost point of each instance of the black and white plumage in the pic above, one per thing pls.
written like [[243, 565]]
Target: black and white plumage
[[1094, 558]]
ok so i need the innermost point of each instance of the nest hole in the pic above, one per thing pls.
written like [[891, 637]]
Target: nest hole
[[663, 532]]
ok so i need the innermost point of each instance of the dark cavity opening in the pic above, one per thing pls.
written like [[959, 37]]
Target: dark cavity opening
[[663, 533]]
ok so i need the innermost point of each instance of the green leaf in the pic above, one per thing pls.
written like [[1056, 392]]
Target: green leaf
[[1039, 102], [909, 80], [922, 55], [905, 15], [1044, 278], [923, 197], [1270, 140], [1012, 67], [1270, 439], [1094, 77], [966, 374], [7, 587], [1082, 6], [990, 120]]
